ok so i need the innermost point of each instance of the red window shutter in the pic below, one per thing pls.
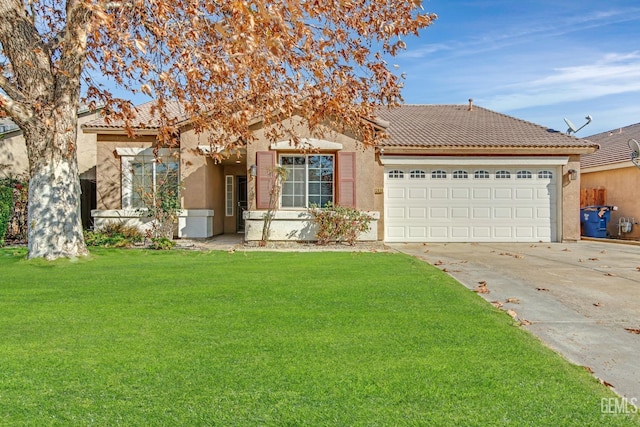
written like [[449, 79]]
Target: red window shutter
[[265, 162], [346, 191]]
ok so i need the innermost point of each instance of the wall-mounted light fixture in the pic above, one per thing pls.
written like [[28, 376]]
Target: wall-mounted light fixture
[[573, 174], [253, 170]]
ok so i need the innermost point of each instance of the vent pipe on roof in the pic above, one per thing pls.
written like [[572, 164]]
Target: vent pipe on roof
[[470, 104]]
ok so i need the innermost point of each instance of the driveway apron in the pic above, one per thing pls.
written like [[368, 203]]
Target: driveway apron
[[581, 299]]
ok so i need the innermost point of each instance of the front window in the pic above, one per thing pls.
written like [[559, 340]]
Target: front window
[[310, 180], [145, 176]]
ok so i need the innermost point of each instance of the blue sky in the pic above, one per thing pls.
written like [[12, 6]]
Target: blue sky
[[536, 60]]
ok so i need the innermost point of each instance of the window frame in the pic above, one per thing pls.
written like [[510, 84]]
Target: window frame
[[460, 174], [395, 174], [306, 195], [438, 174], [418, 174], [503, 174]]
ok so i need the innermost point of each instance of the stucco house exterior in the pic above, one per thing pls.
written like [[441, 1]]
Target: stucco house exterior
[[446, 173], [611, 169], [14, 161]]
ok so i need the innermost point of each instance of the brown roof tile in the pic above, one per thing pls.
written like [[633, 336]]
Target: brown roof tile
[[455, 126], [614, 147]]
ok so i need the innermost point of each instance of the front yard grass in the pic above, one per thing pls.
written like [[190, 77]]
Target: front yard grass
[[135, 337]]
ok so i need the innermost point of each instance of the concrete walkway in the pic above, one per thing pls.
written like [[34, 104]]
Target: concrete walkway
[[578, 298]]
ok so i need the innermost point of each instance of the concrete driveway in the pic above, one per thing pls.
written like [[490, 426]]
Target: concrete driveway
[[578, 298]]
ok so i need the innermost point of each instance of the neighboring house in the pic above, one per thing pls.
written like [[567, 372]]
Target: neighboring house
[[447, 173], [610, 169], [14, 161]]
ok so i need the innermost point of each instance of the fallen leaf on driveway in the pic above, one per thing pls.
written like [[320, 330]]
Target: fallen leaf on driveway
[[604, 251], [638, 268], [445, 270], [438, 262], [542, 289], [588, 369], [496, 304], [427, 251], [512, 313], [633, 330], [609, 274], [593, 259], [481, 288], [596, 304], [513, 300], [524, 322], [566, 250]]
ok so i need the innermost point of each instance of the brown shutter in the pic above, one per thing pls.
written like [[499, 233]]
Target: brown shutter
[[346, 191], [265, 162]]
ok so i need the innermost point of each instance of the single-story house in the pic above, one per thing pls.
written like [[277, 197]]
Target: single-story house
[[610, 170], [446, 173], [14, 161]]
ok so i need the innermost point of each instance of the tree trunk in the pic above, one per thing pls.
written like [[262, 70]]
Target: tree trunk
[[55, 223]]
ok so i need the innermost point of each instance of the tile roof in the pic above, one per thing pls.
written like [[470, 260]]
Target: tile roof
[[454, 126], [420, 126], [144, 118], [614, 147]]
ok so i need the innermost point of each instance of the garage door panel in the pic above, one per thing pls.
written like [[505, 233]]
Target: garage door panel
[[459, 213], [418, 232], [467, 210], [524, 213], [502, 193], [393, 213], [524, 193], [481, 233], [438, 232], [460, 193], [417, 193], [417, 213], [502, 213], [439, 213], [395, 193], [481, 213], [482, 193], [438, 193]]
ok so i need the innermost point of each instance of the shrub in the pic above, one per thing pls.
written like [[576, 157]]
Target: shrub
[[162, 243], [6, 203], [16, 227], [339, 223], [113, 234]]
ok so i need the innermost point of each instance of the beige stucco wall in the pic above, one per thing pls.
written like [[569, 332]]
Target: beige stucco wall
[[13, 151], [623, 190], [570, 197]]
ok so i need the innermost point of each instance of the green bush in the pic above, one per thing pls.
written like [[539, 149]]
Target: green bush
[[6, 203], [339, 223], [115, 235], [162, 243]]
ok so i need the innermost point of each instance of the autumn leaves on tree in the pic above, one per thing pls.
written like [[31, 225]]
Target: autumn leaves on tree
[[225, 62]]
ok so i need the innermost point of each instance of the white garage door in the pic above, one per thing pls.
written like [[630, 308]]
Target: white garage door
[[471, 203]]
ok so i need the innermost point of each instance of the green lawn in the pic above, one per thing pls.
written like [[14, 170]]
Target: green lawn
[[133, 337]]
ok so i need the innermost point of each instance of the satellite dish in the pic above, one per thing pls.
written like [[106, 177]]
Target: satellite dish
[[572, 127], [635, 152]]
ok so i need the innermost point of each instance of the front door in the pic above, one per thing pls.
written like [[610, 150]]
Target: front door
[[241, 197]]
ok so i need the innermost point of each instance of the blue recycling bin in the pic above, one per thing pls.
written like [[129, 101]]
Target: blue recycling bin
[[594, 220]]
